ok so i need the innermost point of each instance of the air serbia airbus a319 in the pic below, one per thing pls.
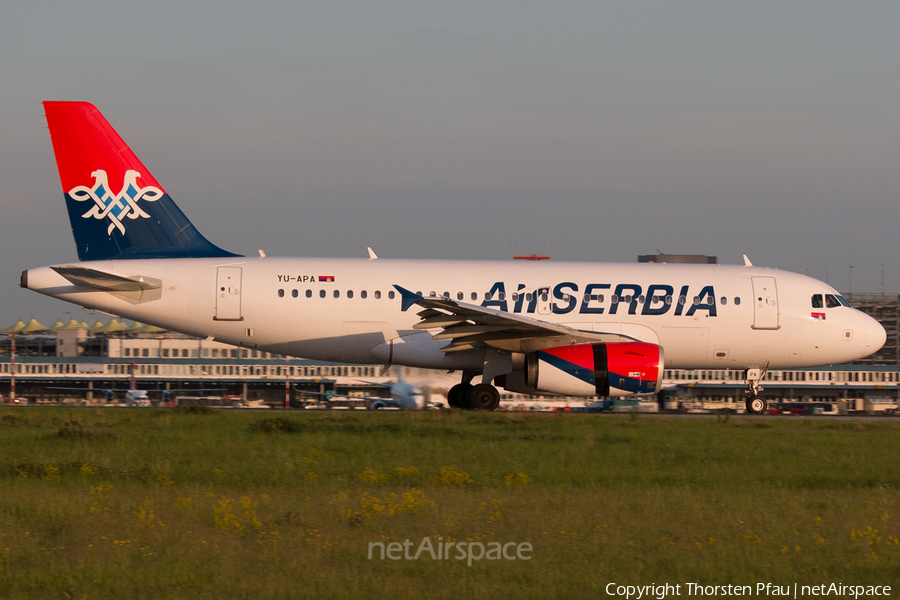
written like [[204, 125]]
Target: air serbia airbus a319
[[574, 329]]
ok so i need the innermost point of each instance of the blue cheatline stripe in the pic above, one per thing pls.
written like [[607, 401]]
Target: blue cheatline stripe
[[582, 373], [631, 384]]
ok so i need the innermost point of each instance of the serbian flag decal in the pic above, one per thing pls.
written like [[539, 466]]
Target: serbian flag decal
[[326, 279], [817, 316]]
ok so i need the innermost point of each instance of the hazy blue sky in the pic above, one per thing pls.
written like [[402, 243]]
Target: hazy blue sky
[[587, 130]]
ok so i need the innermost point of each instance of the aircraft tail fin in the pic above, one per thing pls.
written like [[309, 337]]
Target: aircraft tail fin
[[116, 207]]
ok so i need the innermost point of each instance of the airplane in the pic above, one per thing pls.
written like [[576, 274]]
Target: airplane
[[404, 396], [565, 328]]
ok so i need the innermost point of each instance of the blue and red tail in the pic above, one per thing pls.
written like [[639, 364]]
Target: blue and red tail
[[116, 207]]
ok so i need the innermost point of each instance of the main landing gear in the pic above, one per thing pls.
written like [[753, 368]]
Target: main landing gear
[[756, 404], [483, 396]]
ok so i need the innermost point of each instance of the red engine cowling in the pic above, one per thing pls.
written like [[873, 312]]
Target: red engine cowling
[[613, 369]]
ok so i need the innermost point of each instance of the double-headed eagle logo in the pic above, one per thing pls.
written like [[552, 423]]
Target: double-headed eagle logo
[[115, 207]]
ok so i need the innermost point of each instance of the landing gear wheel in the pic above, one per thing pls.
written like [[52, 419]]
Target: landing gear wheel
[[484, 396], [458, 396], [757, 405]]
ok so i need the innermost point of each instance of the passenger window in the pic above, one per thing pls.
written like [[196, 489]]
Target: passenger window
[[681, 299], [377, 295], [459, 295], [349, 293], [474, 296], [363, 294], [501, 296], [723, 300], [294, 293], [817, 301], [391, 295], [831, 301], [309, 293], [737, 301], [446, 294], [281, 293], [337, 293], [321, 293]]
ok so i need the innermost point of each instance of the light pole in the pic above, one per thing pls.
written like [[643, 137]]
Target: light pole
[[12, 368], [850, 291], [287, 383]]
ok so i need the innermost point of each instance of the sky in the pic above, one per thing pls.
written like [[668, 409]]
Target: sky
[[590, 131]]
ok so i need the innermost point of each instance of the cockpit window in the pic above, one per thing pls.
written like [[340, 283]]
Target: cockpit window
[[817, 301], [844, 302], [831, 301]]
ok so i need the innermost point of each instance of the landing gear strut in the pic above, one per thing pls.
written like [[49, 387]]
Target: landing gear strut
[[756, 404]]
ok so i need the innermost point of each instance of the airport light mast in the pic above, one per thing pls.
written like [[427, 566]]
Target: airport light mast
[[287, 383]]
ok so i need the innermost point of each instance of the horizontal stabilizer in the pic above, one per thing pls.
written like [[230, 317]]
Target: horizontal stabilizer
[[107, 282], [135, 289]]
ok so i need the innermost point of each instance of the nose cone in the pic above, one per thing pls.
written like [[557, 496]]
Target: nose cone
[[875, 336]]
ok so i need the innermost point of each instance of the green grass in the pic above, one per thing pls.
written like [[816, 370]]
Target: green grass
[[141, 503]]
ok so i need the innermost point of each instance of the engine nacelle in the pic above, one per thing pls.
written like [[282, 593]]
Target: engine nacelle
[[613, 370]]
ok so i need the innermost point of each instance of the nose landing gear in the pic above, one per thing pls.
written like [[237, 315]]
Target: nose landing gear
[[756, 404]]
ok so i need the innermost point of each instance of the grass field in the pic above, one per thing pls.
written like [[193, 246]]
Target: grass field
[[162, 503]]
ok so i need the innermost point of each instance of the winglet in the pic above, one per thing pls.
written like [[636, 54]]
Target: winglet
[[372, 255], [747, 262], [407, 297]]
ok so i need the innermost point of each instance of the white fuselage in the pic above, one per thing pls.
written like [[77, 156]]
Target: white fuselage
[[759, 316]]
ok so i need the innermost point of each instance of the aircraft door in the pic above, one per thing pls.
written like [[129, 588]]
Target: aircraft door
[[544, 303], [228, 294], [765, 303]]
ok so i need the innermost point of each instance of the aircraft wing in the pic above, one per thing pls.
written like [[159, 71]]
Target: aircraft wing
[[469, 326]]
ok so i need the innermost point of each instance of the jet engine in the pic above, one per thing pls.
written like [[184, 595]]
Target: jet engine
[[611, 369]]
